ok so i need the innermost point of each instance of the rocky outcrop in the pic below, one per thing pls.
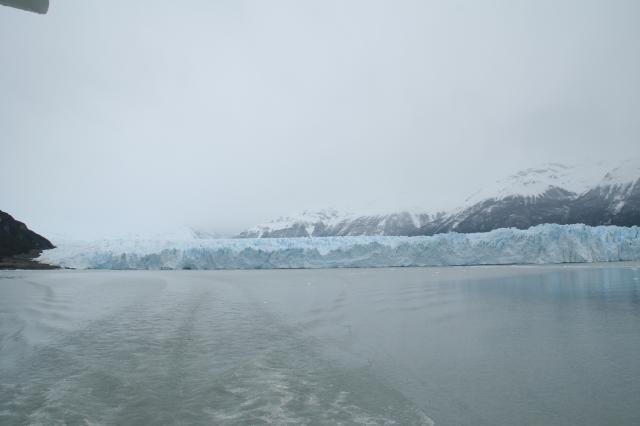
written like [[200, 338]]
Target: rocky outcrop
[[19, 245], [37, 6]]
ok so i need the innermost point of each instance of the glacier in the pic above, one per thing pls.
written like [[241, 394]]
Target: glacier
[[542, 244]]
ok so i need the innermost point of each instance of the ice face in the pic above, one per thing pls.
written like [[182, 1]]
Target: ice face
[[541, 244]]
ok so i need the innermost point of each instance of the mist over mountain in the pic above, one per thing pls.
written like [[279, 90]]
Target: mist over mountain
[[553, 193]]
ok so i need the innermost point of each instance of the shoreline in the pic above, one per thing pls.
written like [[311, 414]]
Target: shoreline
[[24, 261]]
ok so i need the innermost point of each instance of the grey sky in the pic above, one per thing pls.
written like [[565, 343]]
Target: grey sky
[[121, 115]]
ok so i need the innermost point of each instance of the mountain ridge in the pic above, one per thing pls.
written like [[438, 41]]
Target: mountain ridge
[[553, 193]]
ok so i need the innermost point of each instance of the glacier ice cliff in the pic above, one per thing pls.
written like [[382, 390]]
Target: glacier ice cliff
[[541, 244]]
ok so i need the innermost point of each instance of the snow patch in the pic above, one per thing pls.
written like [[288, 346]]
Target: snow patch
[[626, 175]]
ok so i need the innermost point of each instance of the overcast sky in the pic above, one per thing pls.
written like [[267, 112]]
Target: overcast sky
[[125, 115]]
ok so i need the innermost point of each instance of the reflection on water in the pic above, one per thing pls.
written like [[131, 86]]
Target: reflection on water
[[472, 345]]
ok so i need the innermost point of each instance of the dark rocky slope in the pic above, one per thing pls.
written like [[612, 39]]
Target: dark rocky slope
[[19, 245]]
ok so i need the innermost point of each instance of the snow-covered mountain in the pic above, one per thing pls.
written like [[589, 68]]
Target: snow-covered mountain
[[304, 224], [596, 194], [331, 223], [614, 200], [535, 182]]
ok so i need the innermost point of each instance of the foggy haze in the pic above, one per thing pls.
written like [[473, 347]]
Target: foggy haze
[[123, 116]]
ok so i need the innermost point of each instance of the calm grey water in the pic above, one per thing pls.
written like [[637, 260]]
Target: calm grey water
[[535, 345]]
